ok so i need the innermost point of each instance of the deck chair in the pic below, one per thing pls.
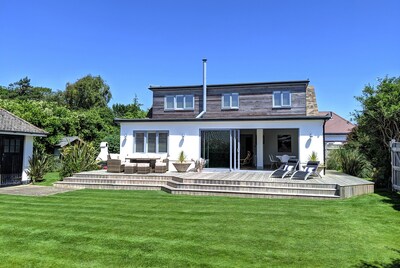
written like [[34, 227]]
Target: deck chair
[[285, 169], [274, 162], [248, 160], [310, 170]]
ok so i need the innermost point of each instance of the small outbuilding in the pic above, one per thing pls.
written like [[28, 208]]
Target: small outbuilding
[[16, 146], [64, 142]]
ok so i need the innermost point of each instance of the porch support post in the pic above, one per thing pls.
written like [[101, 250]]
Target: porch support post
[[230, 149], [260, 149]]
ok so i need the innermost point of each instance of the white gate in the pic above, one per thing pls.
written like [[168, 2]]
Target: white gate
[[395, 156]]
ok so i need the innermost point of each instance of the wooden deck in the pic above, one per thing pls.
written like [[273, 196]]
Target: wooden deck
[[225, 183]]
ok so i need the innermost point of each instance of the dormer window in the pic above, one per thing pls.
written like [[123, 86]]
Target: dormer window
[[179, 102], [230, 101], [281, 99]]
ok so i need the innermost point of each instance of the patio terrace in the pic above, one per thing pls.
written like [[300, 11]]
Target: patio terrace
[[255, 184]]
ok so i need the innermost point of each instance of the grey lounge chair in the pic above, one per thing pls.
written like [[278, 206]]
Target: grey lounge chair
[[310, 170], [286, 169]]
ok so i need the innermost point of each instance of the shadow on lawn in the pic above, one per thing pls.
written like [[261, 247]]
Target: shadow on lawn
[[392, 198], [395, 263]]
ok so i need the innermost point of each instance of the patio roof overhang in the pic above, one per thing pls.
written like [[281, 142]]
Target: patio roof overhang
[[269, 118]]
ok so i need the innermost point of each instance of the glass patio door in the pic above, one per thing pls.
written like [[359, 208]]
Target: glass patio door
[[221, 148]]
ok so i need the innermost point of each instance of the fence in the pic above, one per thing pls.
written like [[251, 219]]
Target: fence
[[395, 156]]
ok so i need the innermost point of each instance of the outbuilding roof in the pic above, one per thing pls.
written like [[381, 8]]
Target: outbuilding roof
[[67, 140], [12, 124]]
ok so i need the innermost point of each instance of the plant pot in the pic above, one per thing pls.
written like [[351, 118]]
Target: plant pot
[[181, 167]]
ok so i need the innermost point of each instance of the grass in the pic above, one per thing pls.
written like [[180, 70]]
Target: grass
[[49, 179], [99, 228]]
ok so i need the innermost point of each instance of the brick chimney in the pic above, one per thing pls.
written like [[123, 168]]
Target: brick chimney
[[311, 101]]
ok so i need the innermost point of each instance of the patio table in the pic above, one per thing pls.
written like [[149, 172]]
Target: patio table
[[150, 160]]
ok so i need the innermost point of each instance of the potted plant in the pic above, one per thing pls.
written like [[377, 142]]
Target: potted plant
[[314, 157], [181, 165]]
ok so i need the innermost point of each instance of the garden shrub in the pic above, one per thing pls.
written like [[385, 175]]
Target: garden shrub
[[77, 158], [350, 161], [39, 165]]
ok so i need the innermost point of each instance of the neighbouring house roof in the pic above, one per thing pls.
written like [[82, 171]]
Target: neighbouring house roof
[[270, 118], [67, 140], [337, 125], [12, 124]]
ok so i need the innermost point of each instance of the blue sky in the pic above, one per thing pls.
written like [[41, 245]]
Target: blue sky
[[340, 46]]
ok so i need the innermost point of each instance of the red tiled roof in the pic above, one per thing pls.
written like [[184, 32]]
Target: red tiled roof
[[337, 124]]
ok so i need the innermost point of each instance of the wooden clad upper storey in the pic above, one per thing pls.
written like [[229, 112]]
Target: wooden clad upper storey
[[250, 100]]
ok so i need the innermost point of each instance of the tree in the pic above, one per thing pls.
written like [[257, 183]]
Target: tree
[[133, 110], [87, 92], [378, 122], [23, 90]]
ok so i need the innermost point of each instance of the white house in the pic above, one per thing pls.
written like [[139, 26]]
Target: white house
[[223, 123], [16, 146]]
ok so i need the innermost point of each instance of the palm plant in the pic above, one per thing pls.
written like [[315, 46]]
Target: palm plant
[[39, 164], [313, 156], [77, 158]]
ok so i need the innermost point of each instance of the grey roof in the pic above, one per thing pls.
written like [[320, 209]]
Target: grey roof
[[11, 123], [67, 140], [151, 87]]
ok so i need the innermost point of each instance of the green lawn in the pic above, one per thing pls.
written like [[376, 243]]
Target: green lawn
[[49, 179], [98, 228]]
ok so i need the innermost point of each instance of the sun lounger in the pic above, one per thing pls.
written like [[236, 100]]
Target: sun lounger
[[310, 170], [286, 169]]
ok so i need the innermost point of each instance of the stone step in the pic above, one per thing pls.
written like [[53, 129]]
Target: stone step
[[254, 183], [248, 194], [105, 186], [304, 189], [123, 176], [119, 181]]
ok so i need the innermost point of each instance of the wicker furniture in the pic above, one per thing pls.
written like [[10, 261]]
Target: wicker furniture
[[115, 165], [130, 168], [143, 168], [160, 167]]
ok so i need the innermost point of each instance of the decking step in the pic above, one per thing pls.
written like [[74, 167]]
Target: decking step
[[123, 176], [119, 181], [245, 188], [250, 194], [254, 183], [107, 186]]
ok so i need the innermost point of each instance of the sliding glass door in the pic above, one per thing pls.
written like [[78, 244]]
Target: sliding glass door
[[220, 148]]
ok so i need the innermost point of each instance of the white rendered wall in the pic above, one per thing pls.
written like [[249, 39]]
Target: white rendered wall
[[28, 151], [190, 144], [334, 138]]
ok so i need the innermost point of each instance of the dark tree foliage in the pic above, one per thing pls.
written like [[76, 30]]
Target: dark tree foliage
[[87, 92], [23, 90], [378, 122], [133, 110], [93, 121]]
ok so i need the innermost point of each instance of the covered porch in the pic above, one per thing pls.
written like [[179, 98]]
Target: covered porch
[[250, 149]]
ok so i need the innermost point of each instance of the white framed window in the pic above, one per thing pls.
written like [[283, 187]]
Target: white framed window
[[179, 102], [281, 99], [169, 103], [230, 101], [150, 142]]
